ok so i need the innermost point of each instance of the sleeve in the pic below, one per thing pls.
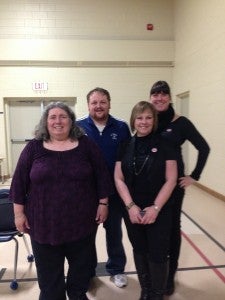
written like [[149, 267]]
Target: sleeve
[[21, 178], [197, 140], [103, 178], [121, 150], [169, 150], [126, 131]]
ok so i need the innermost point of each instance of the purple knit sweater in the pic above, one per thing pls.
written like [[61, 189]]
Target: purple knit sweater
[[60, 190]]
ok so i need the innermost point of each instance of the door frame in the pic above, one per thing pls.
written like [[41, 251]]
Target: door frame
[[6, 107], [182, 108]]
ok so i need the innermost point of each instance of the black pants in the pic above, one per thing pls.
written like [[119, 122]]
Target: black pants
[[50, 268], [153, 239], [175, 239], [114, 238]]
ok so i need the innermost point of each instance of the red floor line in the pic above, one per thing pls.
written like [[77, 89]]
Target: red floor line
[[209, 263]]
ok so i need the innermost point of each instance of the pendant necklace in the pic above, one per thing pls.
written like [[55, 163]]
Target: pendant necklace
[[137, 172]]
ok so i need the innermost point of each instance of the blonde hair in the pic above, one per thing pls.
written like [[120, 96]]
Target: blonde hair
[[138, 109]]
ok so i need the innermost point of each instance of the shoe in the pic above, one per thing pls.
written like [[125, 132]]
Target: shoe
[[120, 280]]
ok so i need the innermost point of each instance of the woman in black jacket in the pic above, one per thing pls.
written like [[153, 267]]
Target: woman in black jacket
[[177, 129], [145, 176]]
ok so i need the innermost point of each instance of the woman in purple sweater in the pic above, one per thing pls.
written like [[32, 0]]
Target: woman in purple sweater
[[60, 191]]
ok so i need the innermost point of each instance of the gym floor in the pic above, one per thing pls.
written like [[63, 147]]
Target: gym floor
[[201, 273]]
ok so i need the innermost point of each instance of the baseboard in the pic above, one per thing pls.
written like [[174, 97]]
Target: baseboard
[[210, 191]]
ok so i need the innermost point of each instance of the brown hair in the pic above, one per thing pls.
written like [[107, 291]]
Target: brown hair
[[138, 109], [99, 90]]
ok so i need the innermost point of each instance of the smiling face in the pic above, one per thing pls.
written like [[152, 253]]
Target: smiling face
[[160, 101], [144, 123], [58, 124], [98, 106]]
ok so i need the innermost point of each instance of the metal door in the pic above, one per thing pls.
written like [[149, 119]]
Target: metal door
[[22, 115]]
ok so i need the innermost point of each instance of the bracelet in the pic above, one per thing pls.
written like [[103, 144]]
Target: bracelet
[[102, 203], [128, 206], [156, 208]]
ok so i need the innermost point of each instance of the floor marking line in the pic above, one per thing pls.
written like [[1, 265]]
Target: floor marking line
[[127, 273], [204, 231], [202, 255], [202, 268]]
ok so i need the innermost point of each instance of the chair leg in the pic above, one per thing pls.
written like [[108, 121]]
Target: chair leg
[[26, 244], [15, 258], [30, 257]]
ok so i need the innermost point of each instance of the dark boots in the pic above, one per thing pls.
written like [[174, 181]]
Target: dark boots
[[170, 285], [158, 274], [141, 263], [79, 296], [152, 277], [83, 297]]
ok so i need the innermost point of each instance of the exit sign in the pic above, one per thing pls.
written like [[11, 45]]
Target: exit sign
[[40, 86]]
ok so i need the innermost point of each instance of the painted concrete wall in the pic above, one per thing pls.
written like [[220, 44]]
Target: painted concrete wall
[[75, 46], [199, 68]]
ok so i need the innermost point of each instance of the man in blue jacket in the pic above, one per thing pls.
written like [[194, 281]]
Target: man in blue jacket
[[108, 131]]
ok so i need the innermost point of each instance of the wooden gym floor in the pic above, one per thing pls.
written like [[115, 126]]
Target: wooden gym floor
[[201, 274]]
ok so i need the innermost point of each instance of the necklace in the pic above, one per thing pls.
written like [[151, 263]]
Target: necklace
[[137, 172]]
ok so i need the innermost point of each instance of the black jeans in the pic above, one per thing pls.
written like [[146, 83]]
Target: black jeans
[[175, 238], [153, 239], [50, 262]]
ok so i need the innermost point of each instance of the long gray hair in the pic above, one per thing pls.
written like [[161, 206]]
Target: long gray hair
[[41, 130]]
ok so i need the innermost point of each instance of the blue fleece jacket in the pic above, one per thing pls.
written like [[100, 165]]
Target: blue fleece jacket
[[109, 139]]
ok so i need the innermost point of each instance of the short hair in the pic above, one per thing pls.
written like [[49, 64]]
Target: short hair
[[101, 91], [160, 86], [41, 130], [138, 109]]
